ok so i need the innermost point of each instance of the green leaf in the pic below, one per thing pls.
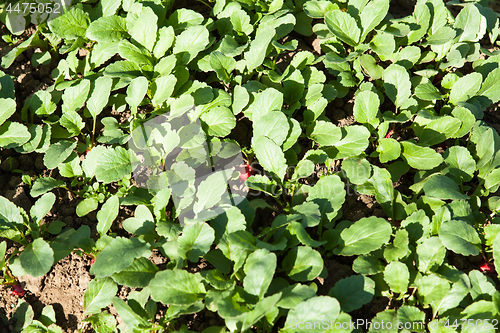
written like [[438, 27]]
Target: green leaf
[[107, 214], [145, 27], [357, 169], [196, 240], [58, 153], [86, 206], [420, 158], [100, 95], [273, 125], [36, 132], [325, 133], [164, 41], [13, 135], [354, 142], [371, 16], [384, 190], [130, 318], [108, 29], [10, 216], [118, 255], [42, 206], [114, 164], [460, 237], [72, 121], [397, 276], [438, 130], [268, 100], [353, 292], [461, 165], [397, 84], [430, 254], [442, 187], [366, 106], [343, 26], [7, 109], [294, 294], [383, 44], [162, 88], [318, 9], [388, 149], [468, 24], [102, 322], [259, 269], [222, 65], [427, 92], [492, 179], [465, 88], [432, 288], [364, 236], [482, 287], [303, 263], [45, 184], [399, 247], [137, 275], [367, 265], [177, 287], [270, 155], [490, 87], [315, 309], [98, 295], [211, 190], [71, 25], [304, 169], [258, 47], [190, 42], [329, 194], [136, 91], [37, 258], [219, 121], [74, 97]]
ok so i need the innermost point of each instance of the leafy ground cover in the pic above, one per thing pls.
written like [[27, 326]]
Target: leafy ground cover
[[265, 166]]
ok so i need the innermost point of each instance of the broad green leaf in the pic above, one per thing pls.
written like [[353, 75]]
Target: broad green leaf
[[458, 291], [490, 87], [42, 206], [397, 84], [315, 309], [461, 165], [240, 99], [467, 23], [107, 214], [258, 47], [219, 121], [353, 292], [130, 318], [136, 91], [420, 158], [482, 287], [57, 153], [196, 240], [397, 276], [100, 95], [37, 258], [135, 53], [304, 169], [162, 88], [364, 236], [36, 132], [98, 295], [73, 122], [318, 9], [430, 254], [164, 41], [145, 27], [367, 265], [114, 164], [496, 253], [118, 255], [268, 100], [71, 25], [9, 215], [383, 44], [438, 130], [460, 237], [384, 190], [13, 135], [259, 269], [91, 161], [211, 190], [399, 247], [325, 133], [303, 263], [366, 106], [222, 65], [329, 194], [74, 97], [343, 26], [86, 206], [354, 142], [388, 149], [428, 92], [7, 109], [137, 275], [432, 288], [492, 179], [190, 42], [273, 125], [294, 294], [371, 15], [441, 36], [357, 169], [442, 187], [465, 88], [413, 317], [45, 184], [270, 155], [108, 29], [177, 287]]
